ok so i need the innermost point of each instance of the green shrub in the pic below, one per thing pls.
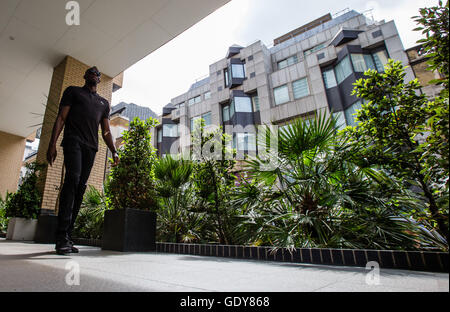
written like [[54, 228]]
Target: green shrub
[[3, 218], [25, 203], [132, 181]]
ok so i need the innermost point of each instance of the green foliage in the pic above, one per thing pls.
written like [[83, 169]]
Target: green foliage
[[213, 182], [391, 126], [132, 181], [176, 223], [25, 203], [317, 195], [89, 223], [3, 218], [434, 23]]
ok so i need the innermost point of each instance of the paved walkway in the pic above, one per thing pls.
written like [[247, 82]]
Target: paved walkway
[[35, 267]]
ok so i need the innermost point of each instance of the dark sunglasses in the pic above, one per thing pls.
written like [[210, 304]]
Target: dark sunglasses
[[94, 71]]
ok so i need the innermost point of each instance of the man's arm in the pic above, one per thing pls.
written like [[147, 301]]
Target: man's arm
[[57, 128], [107, 137]]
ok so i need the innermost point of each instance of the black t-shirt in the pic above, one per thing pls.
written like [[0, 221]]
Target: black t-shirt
[[87, 110]]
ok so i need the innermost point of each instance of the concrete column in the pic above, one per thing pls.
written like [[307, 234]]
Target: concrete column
[[11, 156], [69, 72]]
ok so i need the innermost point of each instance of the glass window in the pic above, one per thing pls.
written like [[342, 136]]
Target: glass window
[[362, 62], [281, 95], [160, 136], [359, 63], [381, 59], [369, 61], [195, 100], [350, 113], [300, 88], [282, 64], [340, 120], [244, 141], [343, 69], [255, 101], [194, 122], [243, 104], [207, 118], [316, 48], [207, 95], [329, 79], [170, 130], [226, 113], [237, 71], [226, 77], [288, 62], [232, 108]]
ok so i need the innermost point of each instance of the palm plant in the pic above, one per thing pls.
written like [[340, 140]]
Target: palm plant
[[176, 223], [316, 183], [89, 223]]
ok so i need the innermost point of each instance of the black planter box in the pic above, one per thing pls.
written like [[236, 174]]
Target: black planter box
[[46, 229], [129, 230]]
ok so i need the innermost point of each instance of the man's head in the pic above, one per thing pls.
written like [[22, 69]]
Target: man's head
[[92, 76]]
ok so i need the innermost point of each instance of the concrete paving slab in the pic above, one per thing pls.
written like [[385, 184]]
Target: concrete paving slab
[[25, 266]]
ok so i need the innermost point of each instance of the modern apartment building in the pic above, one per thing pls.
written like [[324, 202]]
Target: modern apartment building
[[309, 69]]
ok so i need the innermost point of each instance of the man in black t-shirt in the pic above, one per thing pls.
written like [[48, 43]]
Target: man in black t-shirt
[[81, 110]]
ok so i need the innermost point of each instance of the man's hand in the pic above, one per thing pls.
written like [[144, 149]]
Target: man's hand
[[116, 159], [51, 154]]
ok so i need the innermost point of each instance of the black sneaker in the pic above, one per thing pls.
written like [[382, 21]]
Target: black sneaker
[[74, 249], [63, 247]]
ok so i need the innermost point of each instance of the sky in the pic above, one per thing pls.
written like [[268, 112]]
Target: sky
[[169, 71]]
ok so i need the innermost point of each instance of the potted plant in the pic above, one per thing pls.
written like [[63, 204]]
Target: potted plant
[[131, 223], [22, 208]]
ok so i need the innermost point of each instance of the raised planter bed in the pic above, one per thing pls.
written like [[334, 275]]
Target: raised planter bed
[[388, 259], [21, 229]]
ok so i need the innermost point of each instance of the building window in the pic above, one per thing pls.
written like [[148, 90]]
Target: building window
[[362, 62], [244, 141], [195, 100], [340, 120], [170, 130], [287, 62], [160, 135], [226, 77], [207, 95], [237, 71], [343, 69], [180, 105], [350, 113], [300, 88], [381, 59], [226, 113], [329, 79], [207, 118], [281, 95], [255, 102], [194, 122], [243, 104], [316, 48]]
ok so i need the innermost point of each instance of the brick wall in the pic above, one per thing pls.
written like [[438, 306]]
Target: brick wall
[[69, 72], [11, 155]]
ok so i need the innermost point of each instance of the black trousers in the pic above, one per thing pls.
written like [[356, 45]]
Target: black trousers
[[78, 160]]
